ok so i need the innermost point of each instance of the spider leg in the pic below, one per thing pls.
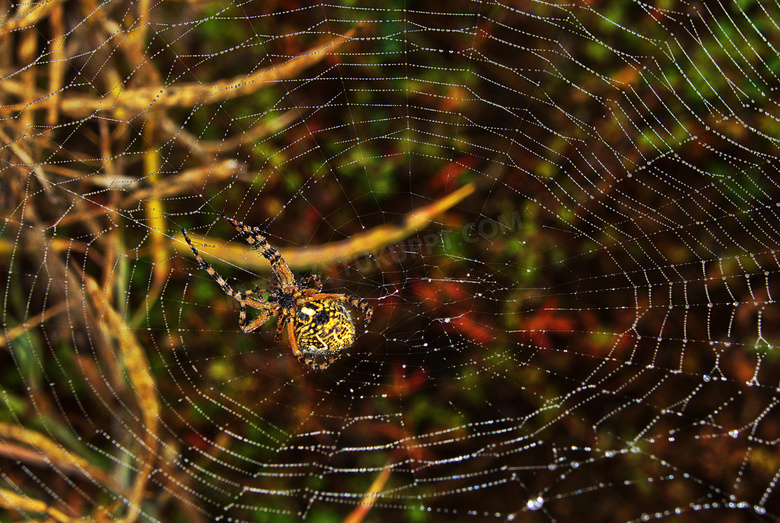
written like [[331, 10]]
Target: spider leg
[[255, 238], [358, 303], [242, 297], [321, 366], [209, 269], [257, 322], [257, 291], [314, 278], [293, 342], [280, 328]]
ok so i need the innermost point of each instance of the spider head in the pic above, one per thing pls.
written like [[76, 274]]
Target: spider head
[[323, 329], [285, 301]]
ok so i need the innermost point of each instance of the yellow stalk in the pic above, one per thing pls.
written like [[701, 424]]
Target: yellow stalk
[[137, 366], [316, 255]]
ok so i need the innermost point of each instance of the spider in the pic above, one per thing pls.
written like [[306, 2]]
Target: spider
[[319, 326]]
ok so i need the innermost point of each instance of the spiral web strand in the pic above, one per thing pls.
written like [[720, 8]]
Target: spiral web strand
[[564, 216]]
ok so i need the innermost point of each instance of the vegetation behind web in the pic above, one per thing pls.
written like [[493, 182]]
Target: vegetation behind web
[[563, 218]]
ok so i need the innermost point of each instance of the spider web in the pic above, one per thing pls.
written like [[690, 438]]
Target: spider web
[[565, 217]]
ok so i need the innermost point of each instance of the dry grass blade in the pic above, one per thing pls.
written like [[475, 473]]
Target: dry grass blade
[[370, 497], [205, 150], [47, 452], [7, 245], [26, 50], [121, 102], [137, 366], [17, 503], [357, 245], [183, 182], [155, 212], [15, 332], [57, 64], [254, 133], [17, 148], [28, 14]]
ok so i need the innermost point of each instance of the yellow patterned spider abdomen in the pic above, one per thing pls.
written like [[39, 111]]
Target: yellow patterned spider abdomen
[[324, 329]]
